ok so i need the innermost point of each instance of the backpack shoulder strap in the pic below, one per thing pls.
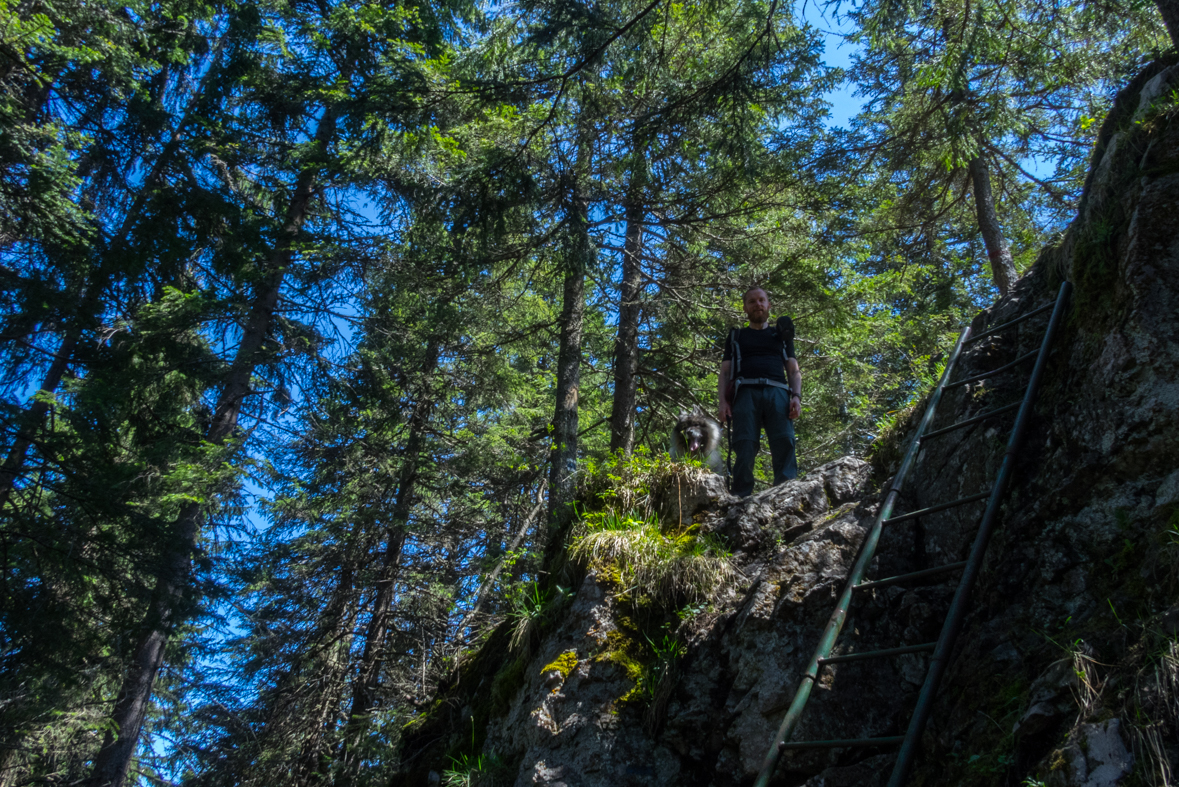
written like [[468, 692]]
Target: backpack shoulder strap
[[784, 329], [782, 341], [733, 333]]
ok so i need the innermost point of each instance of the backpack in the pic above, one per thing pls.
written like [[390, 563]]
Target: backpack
[[783, 328]]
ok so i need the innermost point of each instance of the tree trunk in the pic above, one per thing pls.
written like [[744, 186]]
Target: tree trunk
[[1002, 265], [372, 657], [9, 747], [1170, 11], [563, 458], [327, 684], [626, 345], [173, 580]]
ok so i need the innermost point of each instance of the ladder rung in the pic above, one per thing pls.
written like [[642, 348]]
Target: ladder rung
[[844, 744], [1006, 325], [928, 572], [973, 420], [879, 654], [994, 372], [942, 507]]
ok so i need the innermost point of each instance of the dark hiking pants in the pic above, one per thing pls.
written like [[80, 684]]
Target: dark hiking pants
[[762, 407]]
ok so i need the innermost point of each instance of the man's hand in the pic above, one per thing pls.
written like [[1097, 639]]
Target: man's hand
[[795, 408], [726, 412]]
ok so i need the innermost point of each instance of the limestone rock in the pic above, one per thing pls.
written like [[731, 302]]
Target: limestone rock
[[681, 503], [1094, 757]]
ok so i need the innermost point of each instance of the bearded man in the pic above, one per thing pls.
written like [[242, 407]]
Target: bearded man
[[760, 360]]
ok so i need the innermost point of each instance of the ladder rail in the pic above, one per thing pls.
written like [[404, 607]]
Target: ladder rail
[[995, 372], [867, 552], [976, 419], [924, 647], [914, 575], [957, 614], [851, 743], [892, 520], [1010, 323]]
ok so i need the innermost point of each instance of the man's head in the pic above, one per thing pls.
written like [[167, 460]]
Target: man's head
[[756, 306]]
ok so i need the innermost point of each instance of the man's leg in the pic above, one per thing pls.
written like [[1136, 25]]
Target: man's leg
[[779, 433], [745, 442]]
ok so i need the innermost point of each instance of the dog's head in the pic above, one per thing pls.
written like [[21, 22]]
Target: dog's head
[[694, 438], [699, 433]]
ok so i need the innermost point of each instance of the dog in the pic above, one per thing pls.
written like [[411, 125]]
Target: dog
[[698, 436]]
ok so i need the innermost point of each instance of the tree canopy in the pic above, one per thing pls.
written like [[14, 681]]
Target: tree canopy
[[314, 313]]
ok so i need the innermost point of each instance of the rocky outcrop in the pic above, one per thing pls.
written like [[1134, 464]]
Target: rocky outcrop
[[1067, 672], [741, 658]]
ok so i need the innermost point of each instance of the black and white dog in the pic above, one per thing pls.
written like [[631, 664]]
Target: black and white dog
[[698, 436]]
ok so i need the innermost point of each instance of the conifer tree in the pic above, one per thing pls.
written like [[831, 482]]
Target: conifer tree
[[961, 96]]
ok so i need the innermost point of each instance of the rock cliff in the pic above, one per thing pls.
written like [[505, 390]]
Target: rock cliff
[[1067, 672]]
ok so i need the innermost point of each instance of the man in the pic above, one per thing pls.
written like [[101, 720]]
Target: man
[[764, 399]]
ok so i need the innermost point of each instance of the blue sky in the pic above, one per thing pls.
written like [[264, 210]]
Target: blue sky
[[838, 53]]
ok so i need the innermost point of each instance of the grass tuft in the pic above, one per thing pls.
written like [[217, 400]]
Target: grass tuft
[[532, 608], [671, 571], [621, 486]]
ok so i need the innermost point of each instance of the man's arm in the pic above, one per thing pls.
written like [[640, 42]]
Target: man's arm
[[722, 389], [794, 377]]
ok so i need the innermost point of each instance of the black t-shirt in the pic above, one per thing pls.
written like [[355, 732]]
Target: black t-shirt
[[761, 353]]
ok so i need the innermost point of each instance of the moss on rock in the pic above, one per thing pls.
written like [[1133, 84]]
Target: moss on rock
[[564, 664]]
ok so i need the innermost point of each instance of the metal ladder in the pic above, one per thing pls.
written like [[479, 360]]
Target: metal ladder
[[970, 567]]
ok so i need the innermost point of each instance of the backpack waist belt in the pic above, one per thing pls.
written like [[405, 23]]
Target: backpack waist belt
[[761, 381]]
